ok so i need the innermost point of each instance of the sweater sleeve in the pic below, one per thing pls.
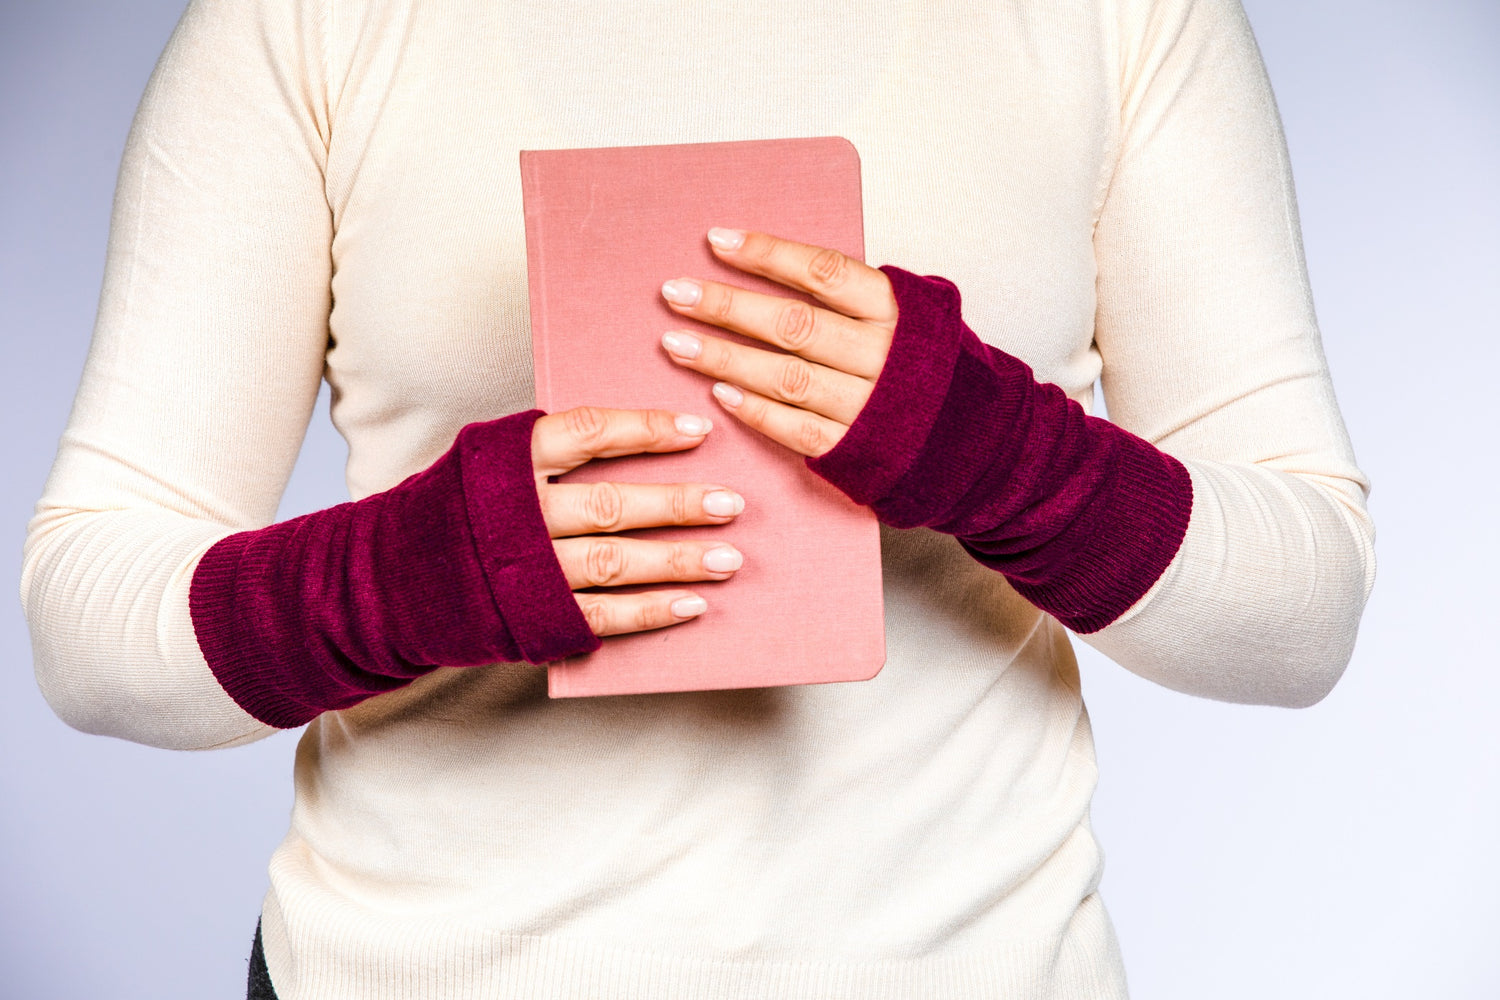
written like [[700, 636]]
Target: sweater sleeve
[[200, 381], [1212, 352], [1213, 537]]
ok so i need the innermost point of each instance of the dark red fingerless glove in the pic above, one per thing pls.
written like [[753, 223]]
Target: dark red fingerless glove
[[452, 567], [1081, 516]]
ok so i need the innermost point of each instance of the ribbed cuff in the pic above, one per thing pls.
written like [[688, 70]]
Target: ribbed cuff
[[239, 666], [257, 620], [1118, 547]]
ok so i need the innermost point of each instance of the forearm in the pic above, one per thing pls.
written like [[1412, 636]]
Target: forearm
[[452, 567], [1210, 352], [106, 595], [1228, 580], [1262, 604], [1080, 515], [162, 629]]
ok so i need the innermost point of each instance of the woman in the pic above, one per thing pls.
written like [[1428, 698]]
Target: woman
[[322, 188]]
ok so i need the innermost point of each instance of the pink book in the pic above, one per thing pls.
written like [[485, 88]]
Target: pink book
[[604, 229]]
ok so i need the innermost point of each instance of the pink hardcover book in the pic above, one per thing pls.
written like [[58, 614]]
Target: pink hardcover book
[[604, 229]]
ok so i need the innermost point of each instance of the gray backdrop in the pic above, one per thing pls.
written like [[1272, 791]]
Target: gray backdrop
[[1346, 850]]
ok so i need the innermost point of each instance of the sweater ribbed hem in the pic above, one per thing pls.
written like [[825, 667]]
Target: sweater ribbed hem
[[385, 958]]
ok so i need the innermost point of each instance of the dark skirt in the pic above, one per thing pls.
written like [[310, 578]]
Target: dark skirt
[[258, 986]]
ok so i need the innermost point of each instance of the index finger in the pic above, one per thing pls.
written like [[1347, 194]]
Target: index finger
[[835, 279], [565, 440]]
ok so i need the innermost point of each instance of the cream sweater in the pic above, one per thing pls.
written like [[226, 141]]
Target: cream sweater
[[329, 189]]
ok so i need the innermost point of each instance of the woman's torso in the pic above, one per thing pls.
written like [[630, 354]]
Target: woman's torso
[[939, 810]]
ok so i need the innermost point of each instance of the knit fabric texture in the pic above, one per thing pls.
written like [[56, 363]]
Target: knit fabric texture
[[1080, 515], [452, 567]]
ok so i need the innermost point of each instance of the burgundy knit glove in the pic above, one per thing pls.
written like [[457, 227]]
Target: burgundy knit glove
[[452, 567], [1081, 516]]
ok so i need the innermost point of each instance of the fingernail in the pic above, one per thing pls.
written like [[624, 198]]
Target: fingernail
[[692, 426], [728, 394], [689, 607], [722, 559], [683, 291], [722, 503], [726, 239], [684, 345]]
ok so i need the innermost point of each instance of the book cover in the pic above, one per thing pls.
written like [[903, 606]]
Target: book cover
[[604, 228]]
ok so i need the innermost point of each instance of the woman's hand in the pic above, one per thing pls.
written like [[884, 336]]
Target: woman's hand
[[582, 517], [806, 399]]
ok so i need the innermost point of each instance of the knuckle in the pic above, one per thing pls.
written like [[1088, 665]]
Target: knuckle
[[604, 563], [764, 250], [604, 506], [660, 424], [794, 327], [828, 269], [595, 613], [677, 498], [811, 438], [646, 616], [683, 561], [717, 359], [755, 411], [723, 304], [794, 381], [588, 424]]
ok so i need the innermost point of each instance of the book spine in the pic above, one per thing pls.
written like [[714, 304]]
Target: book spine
[[558, 683], [536, 280]]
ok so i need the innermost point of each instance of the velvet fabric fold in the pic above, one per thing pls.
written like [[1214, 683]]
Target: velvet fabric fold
[[1080, 515]]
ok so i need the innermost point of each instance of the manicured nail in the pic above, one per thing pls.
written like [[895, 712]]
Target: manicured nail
[[728, 394], [726, 239], [722, 503], [722, 559], [683, 291], [689, 607], [684, 345], [692, 426]]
